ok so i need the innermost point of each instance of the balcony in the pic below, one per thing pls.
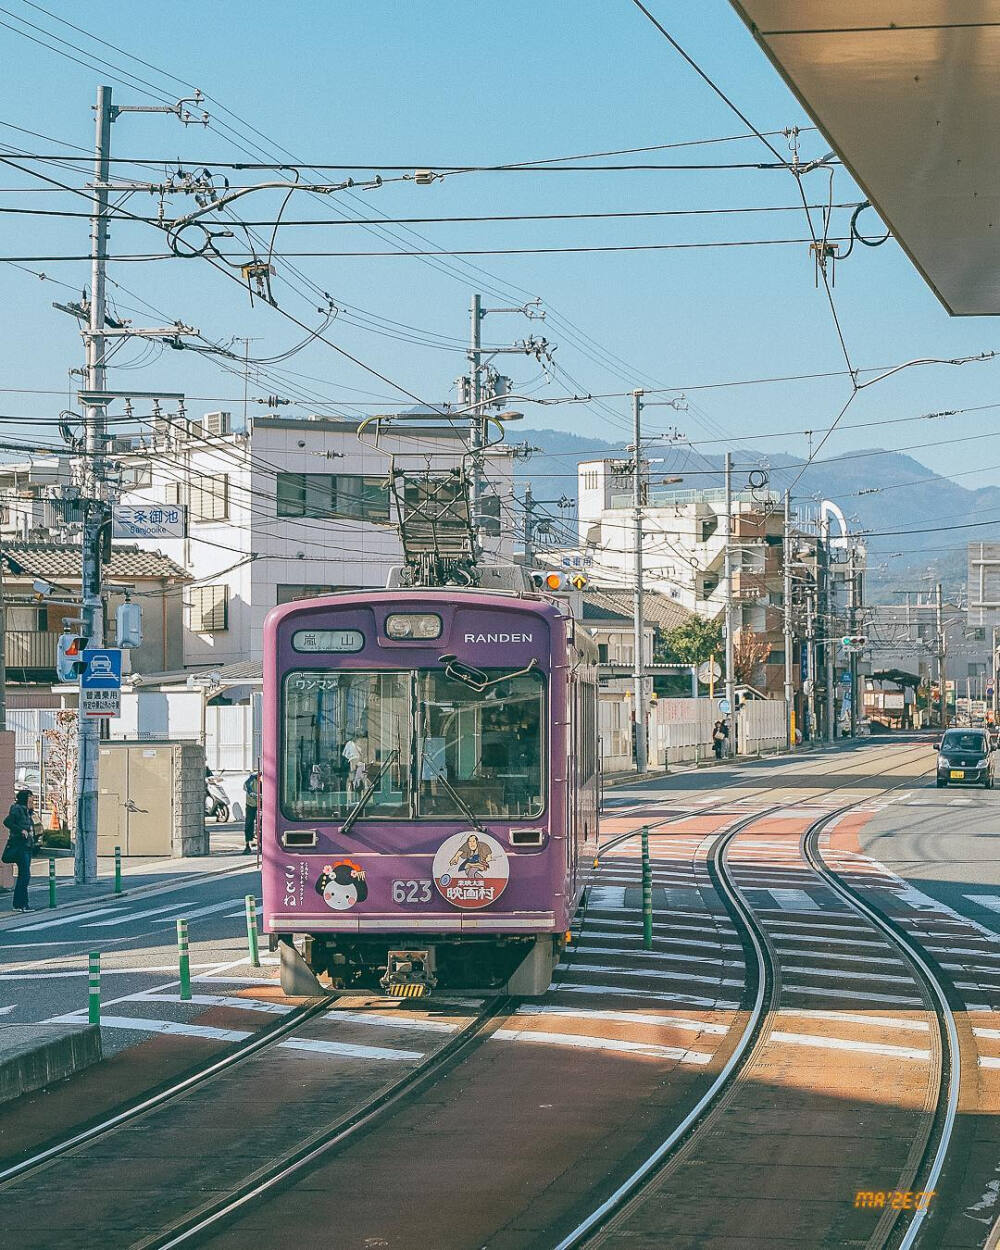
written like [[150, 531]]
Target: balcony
[[29, 650]]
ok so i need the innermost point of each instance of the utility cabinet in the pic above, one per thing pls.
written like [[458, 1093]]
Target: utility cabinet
[[151, 798]]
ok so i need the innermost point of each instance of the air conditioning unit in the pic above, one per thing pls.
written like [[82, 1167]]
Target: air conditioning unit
[[218, 422]]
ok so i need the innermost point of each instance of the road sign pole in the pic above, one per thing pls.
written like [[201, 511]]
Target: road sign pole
[[647, 893], [251, 903], [52, 882], [94, 988], [183, 960]]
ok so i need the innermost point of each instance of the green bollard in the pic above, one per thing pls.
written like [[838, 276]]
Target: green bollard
[[647, 893], [184, 959], [52, 883], [118, 870], [252, 931], [94, 988]]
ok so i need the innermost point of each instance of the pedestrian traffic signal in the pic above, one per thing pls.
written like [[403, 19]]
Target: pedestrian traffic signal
[[558, 583], [69, 656]]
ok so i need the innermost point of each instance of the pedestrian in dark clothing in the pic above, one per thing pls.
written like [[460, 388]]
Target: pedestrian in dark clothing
[[718, 739], [20, 823], [724, 726], [251, 800]]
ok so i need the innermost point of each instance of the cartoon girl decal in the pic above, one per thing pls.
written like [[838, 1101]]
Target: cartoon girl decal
[[472, 857], [342, 884]]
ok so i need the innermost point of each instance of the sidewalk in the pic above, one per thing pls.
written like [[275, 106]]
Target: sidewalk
[[142, 875], [728, 761]]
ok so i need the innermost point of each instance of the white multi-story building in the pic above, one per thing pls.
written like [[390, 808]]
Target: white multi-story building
[[683, 548], [283, 510]]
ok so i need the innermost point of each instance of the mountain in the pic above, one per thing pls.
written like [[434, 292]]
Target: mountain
[[880, 491]]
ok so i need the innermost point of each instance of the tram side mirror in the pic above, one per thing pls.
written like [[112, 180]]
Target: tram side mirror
[[465, 673]]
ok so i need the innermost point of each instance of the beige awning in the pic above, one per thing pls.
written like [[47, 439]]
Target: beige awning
[[908, 95]]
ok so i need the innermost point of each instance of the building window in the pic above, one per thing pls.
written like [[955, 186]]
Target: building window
[[209, 609], [923, 631], [209, 497], [602, 653], [979, 633], [590, 479], [327, 495]]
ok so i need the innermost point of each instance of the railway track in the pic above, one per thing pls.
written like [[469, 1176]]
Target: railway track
[[667, 1172]]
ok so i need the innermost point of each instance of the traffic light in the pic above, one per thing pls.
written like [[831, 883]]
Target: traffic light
[[853, 642], [69, 656], [559, 583]]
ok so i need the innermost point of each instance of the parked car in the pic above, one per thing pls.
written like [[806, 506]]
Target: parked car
[[966, 757]]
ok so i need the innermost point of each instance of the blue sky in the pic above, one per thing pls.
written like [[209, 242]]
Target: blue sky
[[450, 83]]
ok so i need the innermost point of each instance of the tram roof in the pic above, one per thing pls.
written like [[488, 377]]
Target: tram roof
[[909, 98]]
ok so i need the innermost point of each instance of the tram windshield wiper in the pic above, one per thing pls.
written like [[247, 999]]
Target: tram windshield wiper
[[467, 811], [475, 678], [362, 803]]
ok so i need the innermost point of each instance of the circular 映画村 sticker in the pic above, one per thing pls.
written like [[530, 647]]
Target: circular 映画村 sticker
[[471, 869]]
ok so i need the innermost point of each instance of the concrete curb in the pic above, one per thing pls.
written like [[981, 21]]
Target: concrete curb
[[33, 1056]]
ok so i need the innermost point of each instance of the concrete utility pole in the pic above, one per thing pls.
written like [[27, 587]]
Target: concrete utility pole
[[95, 508], [728, 574], [639, 697], [942, 655], [852, 629], [811, 660], [476, 440], [786, 568]]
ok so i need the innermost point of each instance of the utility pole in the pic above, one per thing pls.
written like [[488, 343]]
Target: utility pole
[[811, 661], [786, 552], [637, 604], [728, 574], [475, 397], [941, 655], [529, 527], [852, 629], [95, 508]]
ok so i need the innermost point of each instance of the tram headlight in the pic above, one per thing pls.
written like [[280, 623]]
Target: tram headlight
[[415, 625]]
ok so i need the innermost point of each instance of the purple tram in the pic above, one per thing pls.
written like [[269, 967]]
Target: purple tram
[[429, 789]]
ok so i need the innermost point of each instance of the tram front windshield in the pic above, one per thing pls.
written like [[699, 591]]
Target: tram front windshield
[[426, 745]]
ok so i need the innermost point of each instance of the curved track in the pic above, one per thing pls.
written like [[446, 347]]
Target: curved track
[[636, 1206]]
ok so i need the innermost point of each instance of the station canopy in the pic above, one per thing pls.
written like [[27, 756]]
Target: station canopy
[[908, 95]]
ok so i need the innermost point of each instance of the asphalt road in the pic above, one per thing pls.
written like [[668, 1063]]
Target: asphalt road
[[43, 962], [946, 843]]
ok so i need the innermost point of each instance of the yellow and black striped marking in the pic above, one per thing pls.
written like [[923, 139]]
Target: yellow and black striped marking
[[407, 991]]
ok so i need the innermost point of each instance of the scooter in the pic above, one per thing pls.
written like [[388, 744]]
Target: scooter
[[216, 803]]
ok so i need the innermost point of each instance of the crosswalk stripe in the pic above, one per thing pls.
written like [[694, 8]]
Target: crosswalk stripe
[[623, 1017], [579, 1041], [133, 916], [990, 901], [200, 911], [843, 1043]]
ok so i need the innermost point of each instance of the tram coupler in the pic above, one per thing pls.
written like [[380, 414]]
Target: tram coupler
[[409, 974]]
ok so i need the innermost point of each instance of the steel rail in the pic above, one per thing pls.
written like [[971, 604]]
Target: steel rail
[[698, 1116], [210, 1215], [947, 1109], [263, 1040]]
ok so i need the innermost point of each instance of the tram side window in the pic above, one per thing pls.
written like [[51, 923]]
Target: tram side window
[[342, 731], [587, 762], [480, 750]]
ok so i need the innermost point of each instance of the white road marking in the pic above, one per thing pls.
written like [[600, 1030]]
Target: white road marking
[[134, 916], [816, 926], [849, 973], [673, 956], [381, 1019], [580, 1042], [212, 1000], [7, 1010], [105, 972], [660, 974], [51, 924], [793, 900], [842, 1043], [607, 898], [624, 1017], [992, 1034], [829, 991], [587, 934], [959, 802], [140, 1024], [990, 901], [203, 911], [348, 1051], [989, 1061], [881, 960], [823, 941], [884, 1022], [724, 925], [647, 996]]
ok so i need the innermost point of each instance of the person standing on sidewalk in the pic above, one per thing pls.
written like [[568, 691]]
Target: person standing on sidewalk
[[21, 824], [251, 800], [718, 739]]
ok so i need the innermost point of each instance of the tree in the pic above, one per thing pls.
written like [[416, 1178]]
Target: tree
[[60, 768], [693, 642], [749, 653]]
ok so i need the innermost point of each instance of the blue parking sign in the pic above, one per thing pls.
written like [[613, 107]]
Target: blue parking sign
[[102, 669]]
